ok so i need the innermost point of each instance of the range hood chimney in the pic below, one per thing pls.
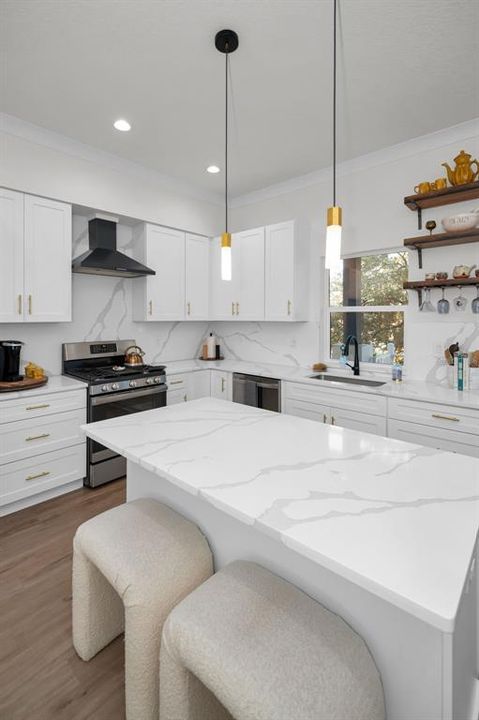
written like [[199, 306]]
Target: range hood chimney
[[103, 258]]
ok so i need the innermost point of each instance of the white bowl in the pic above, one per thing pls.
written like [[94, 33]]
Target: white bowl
[[460, 223]]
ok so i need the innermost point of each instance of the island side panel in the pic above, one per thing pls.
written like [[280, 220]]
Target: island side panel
[[407, 651]]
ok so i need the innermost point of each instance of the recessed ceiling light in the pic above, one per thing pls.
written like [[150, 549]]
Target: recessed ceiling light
[[122, 125], [213, 169]]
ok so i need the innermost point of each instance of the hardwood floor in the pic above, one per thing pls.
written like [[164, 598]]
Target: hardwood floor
[[41, 677]]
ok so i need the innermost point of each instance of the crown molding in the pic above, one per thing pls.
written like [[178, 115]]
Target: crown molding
[[17, 127], [468, 130]]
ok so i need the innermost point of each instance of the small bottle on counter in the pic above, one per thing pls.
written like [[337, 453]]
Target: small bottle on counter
[[461, 371]]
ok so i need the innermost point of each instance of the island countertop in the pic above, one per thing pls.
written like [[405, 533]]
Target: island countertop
[[397, 519]]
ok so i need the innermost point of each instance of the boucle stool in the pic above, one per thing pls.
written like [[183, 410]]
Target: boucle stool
[[248, 645], [131, 565]]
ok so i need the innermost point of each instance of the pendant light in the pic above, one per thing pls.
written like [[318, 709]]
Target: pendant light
[[334, 218], [226, 41]]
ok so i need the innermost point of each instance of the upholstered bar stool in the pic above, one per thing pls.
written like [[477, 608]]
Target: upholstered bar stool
[[247, 645], [131, 566]]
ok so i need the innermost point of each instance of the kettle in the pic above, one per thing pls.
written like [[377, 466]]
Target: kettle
[[134, 356]]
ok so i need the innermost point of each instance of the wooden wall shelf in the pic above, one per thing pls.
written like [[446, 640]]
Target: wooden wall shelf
[[422, 242], [437, 198], [420, 285]]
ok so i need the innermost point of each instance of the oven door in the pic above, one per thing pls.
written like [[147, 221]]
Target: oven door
[[105, 407]]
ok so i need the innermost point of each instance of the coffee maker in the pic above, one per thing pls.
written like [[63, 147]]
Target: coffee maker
[[10, 360]]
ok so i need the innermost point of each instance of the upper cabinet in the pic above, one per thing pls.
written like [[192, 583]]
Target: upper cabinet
[[35, 275], [286, 275], [179, 290], [160, 296], [197, 277], [248, 265]]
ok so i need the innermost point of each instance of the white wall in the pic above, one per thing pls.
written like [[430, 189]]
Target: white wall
[[371, 191]]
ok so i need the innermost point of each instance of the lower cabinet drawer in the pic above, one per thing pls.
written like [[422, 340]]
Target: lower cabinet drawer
[[439, 438], [442, 417], [26, 438], [23, 478], [339, 398], [41, 405], [177, 382]]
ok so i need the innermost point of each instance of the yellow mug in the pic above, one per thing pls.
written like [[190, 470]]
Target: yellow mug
[[439, 184], [423, 187]]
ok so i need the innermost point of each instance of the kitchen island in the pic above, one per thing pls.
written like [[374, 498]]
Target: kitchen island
[[382, 532]]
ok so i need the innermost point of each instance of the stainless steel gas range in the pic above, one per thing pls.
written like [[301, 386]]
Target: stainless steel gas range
[[113, 389]]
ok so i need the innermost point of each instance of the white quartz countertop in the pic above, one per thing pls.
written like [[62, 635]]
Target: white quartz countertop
[[400, 520], [408, 389], [55, 384]]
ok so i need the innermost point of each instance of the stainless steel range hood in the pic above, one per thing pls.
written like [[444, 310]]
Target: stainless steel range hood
[[103, 258]]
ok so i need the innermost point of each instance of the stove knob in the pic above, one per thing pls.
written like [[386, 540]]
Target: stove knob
[[149, 381], [132, 383], [105, 388], [157, 380], [115, 386]]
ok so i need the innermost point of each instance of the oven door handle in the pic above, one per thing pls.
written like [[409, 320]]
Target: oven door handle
[[129, 394]]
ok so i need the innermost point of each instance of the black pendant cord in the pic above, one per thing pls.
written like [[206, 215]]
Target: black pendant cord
[[226, 141], [334, 104]]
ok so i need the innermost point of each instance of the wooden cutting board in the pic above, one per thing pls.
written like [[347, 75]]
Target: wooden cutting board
[[25, 384]]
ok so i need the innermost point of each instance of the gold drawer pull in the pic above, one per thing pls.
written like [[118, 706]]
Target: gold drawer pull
[[189, 308], [38, 475], [150, 307], [176, 382], [445, 417], [232, 308], [19, 304], [325, 417], [237, 308], [333, 420], [37, 437], [29, 304], [37, 407], [289, 307], [222, 385]]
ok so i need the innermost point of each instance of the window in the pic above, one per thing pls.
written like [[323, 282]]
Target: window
[[366, 299]]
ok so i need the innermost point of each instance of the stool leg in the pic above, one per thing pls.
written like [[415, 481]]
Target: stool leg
[[142, 649], [182, 695], [97, 610]]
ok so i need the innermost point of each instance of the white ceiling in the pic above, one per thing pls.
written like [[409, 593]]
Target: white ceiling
[[407, 67]]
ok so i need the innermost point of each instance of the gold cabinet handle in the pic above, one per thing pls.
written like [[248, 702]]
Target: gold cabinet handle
[[446, 417], [38, 475], [29, 304], [19, 304], [37, 407], [176, 382], [237, 308], [289, 307], [150, 307], [37, 437], [222, 385], [188, 306], [333, 420], [325, 417], [232, 308], [185, 397]]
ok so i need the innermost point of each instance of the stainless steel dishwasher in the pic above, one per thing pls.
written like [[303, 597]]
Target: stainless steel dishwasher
[[257, 391]]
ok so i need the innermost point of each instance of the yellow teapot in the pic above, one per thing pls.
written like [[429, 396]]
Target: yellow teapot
[[463, 172]]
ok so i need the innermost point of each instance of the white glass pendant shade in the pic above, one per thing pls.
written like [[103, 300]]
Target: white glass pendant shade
[[333, 238], [226, 256]]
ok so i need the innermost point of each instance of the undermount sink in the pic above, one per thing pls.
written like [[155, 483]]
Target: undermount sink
[[348, 380]]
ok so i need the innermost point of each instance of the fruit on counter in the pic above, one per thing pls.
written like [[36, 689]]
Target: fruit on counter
[[319, 367], [474, 359], [34, 371]]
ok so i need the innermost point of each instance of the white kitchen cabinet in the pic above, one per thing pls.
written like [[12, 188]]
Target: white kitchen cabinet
[[160, 296], [199, 384], [47, 261], [197, 277], [35, 275], [178, 388], [221, 385], [248, 265], [11, 252], [286, 273], [223, 293], [356, 411], [436, 425]]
